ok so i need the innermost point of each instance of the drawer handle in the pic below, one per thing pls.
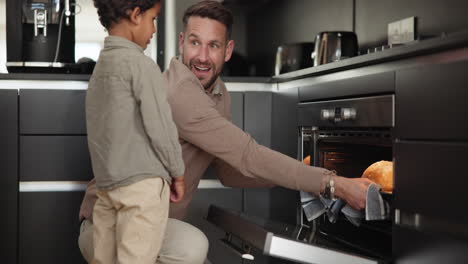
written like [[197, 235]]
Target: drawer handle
[[52, 186]]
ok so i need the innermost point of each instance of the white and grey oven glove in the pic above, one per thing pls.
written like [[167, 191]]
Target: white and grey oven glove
[[376, 207]]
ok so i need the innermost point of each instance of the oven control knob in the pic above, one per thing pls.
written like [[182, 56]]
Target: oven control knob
[[348, 114], [327, 114]]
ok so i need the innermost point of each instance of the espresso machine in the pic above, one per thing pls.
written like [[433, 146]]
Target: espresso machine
[[40, 36]]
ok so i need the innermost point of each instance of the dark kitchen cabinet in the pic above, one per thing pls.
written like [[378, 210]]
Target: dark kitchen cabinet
[[53, 152], [430, 179], [415, 247], [9, 174], [52, 111], [54, 158], [431, 102], [49, 227], [430, 151]]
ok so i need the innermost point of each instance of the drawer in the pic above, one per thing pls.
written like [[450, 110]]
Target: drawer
[[54, 158], [430, 179], [431, 102], [49, 228], [52, 111]]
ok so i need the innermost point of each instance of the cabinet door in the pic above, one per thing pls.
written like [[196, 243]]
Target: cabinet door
[[8, 174], [49, 227], [415, 247], [54, 158], [430, 181], [52, 112], [430, 102]]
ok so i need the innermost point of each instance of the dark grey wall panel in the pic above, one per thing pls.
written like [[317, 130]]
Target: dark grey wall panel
[[431, 102], [8, 174], [434, 17], [49, 228], [237, 108], [279, 22], [52, 112], [257, 116], [54, 158]]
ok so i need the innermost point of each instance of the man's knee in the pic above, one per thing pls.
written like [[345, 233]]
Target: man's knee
[[183, 243]]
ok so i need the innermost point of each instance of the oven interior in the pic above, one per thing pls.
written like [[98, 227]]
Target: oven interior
[[348, 151]]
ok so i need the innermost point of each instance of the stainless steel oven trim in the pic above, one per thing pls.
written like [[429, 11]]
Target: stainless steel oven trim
[[306, 253]]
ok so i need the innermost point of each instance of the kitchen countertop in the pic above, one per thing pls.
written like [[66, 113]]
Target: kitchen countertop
[[416, 48]]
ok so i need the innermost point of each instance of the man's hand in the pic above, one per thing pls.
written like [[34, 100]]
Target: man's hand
[[177, 189], [353, 190]]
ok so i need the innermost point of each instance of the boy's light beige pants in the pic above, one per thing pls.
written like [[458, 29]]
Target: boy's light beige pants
[[130, 221], [130, 227]]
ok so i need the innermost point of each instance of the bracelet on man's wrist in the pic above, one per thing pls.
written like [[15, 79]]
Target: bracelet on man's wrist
[[329, 190]]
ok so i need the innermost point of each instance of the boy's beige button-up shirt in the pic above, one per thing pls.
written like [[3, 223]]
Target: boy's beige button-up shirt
[[131, 133]]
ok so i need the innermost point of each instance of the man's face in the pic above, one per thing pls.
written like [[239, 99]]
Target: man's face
[[146, 25], [204, 48]]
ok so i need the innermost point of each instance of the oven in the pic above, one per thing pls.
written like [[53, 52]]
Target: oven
[[346, 136]]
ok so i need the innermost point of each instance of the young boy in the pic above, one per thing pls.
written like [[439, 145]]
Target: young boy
[[132, 139]]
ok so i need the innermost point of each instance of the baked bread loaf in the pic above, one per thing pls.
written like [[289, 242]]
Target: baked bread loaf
[[381, 172]]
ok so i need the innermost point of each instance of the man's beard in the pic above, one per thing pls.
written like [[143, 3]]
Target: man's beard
[[191, 64]]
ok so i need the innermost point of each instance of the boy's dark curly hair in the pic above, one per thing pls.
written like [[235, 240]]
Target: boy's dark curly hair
[[112, 11]]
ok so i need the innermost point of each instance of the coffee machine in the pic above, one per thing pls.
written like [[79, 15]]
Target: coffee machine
[[40, 35]]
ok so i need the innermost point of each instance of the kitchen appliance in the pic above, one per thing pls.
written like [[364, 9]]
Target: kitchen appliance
[[344, 135], [333, 46], [40, 35], [293, 57]]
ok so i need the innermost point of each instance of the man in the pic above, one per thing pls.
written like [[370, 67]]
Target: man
[[200, 105]]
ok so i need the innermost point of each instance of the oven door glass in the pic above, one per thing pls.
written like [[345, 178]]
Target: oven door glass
[[349, 153]]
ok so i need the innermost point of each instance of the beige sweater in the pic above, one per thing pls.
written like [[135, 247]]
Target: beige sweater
[[207, 136]]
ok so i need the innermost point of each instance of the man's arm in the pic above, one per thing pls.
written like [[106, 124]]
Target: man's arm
[[231, 177], [201, 124]]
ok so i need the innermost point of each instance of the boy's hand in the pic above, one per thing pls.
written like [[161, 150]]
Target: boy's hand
[[177, 189]]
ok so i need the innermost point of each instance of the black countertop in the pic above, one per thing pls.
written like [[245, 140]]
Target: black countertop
[[416, 48]]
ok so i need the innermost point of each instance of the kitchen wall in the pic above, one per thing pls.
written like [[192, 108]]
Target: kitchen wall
[[279, 22]]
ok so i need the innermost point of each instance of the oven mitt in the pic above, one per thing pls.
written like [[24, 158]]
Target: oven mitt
[[376, 207]]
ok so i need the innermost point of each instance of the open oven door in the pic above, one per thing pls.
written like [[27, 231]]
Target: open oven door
[[276, 240]]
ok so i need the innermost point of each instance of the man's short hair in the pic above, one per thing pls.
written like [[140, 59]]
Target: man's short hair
[[212, 10], [112, 11]]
